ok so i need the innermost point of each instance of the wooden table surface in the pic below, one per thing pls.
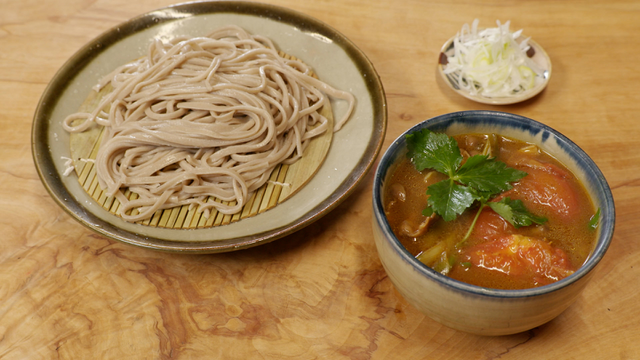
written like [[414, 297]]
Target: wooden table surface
[[68, 293]]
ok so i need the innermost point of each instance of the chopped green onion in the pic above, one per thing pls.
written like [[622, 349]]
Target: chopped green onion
[[491, 62]]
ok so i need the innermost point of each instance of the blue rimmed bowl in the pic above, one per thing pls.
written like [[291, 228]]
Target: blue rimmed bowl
[[477, 309]]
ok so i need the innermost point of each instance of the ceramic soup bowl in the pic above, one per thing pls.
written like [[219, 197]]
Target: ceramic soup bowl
[[476, 309]]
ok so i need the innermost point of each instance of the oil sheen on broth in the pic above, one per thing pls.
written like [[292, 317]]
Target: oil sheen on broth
[[497, 255]]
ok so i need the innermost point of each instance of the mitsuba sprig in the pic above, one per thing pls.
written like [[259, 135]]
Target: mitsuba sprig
[[477, 180]]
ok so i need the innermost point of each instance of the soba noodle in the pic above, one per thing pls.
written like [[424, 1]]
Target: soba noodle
[[204, 117]]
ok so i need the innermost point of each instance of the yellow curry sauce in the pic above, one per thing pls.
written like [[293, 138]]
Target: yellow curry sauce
[[497, 255]]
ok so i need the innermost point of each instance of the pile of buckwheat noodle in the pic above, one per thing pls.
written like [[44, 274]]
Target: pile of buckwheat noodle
[[204, 116]]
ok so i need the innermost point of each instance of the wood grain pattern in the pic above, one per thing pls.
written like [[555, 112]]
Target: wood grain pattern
[[320, 293]]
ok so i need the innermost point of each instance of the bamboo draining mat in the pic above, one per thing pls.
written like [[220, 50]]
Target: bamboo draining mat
[[284, 181]]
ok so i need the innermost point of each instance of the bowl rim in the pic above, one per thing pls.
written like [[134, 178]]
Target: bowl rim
[[607, 222]]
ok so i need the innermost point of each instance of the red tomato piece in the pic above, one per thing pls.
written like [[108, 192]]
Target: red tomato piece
[[546, 188], [490, 226], [519, 256]]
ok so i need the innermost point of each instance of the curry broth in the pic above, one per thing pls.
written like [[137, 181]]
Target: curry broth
[[566, 229]]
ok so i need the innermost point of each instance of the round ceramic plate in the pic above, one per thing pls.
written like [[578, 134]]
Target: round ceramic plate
[[333, 57], [540, 57]]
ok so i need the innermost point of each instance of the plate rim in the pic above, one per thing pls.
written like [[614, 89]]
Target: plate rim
[[51, 178]]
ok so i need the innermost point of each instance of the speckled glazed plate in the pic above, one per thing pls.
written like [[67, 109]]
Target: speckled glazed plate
[[333, 57], [540, 57]]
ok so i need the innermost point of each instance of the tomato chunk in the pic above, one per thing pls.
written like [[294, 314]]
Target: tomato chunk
[[519, 256], [546, 189], [490, 226]]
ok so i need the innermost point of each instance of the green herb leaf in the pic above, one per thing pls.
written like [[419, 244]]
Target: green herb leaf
[[428, 211], [479, 179], [515, 212], [488, 175], [429, 150], [449, 199]]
